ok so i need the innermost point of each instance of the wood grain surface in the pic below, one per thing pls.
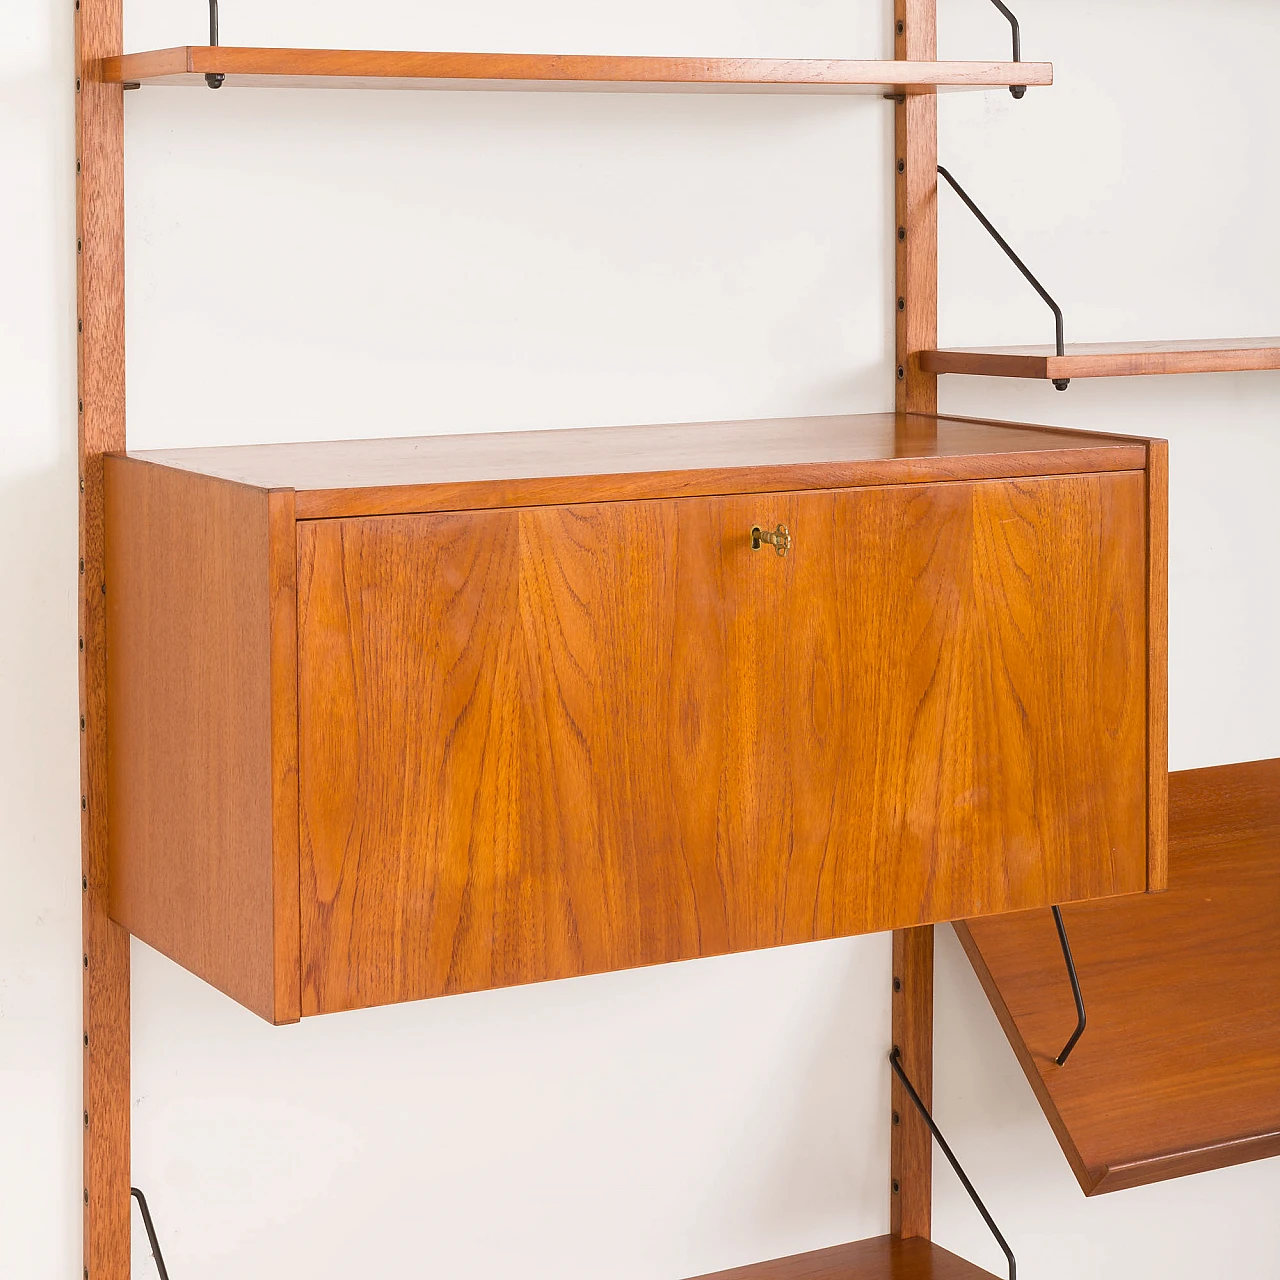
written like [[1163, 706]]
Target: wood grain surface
[[282, 621], [202, 766], [596, 464], [101, 389], [1157, 665], [915, 399], [1108, 359], [375, 68], [556, 741], [916, 207], [911, 1143], [1178, 1069], [880, 1258]]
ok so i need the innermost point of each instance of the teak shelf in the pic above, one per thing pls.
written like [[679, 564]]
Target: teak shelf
[[1108, 359], [486, 712], [1179, 1070], [880, 1258], [374, 69]]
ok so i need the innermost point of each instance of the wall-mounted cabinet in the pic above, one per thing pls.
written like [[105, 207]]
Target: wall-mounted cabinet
[[396, 719]]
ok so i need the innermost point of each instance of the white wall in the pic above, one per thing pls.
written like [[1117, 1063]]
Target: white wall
[[334, 264]]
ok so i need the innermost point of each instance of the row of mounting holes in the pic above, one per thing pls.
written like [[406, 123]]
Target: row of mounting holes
[[84, 800], [902, 373], [897, 986]]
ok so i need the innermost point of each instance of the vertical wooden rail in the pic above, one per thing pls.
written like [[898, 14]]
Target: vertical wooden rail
[[916, 315], [100, 325], [911, 1144], [916, 202]]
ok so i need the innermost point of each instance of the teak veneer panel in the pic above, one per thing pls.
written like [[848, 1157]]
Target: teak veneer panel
[[880, 1258], [608, 464], [202, 731], [375, 757], [1179, 1070], [382, 69], [555, 741], [1109, 359]]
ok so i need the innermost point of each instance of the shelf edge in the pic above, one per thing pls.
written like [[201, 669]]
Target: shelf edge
[[189, 63]]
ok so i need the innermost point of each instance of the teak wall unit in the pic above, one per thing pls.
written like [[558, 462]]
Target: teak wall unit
[[528, 593]]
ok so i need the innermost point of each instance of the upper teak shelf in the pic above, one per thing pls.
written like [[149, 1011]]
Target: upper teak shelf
[[380, 69]]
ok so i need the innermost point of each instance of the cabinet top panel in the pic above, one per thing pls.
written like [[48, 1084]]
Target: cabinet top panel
[[597, 464]]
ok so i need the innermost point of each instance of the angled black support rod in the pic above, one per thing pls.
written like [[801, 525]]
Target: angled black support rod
[[1018, 90], [896, 1063], [213, 79], [151, 1232], [1061, 1059], [1060, 383]]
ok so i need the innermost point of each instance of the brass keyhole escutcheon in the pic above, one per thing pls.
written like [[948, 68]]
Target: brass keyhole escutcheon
[[779, 539]]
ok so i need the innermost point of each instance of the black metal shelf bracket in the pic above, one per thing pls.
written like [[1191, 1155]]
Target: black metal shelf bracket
[[895, 1061], [1060, 383], [1061, 1059], [151, 1232], [1018, 90], [214, 79]]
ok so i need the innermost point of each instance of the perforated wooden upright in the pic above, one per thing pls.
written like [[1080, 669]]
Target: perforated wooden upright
[[477, 712], [100, 326]]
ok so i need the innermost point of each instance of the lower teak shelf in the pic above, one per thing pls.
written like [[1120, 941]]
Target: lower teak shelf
[[403, 718], [880, 1258]]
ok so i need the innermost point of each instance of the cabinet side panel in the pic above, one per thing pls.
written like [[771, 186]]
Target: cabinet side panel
[[190, 817], [283, 573], [1158, 666]]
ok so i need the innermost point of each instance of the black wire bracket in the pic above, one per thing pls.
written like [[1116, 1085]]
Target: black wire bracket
[[1018, 90], [1060, 383], [214, 79], [1061, 1059], [896, 1063], [151, 1232]]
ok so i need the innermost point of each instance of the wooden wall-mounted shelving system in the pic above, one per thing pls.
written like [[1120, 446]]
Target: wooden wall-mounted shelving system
[[903, 447], [969, 528]]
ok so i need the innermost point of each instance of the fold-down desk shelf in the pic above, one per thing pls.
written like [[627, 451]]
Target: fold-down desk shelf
[[1108, 359], [1179, 1069], [376, 68]]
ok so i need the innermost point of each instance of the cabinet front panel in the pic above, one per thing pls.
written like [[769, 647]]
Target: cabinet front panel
[[551, 741]]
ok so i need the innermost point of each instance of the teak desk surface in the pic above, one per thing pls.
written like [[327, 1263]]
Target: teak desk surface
[[609, 464]]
